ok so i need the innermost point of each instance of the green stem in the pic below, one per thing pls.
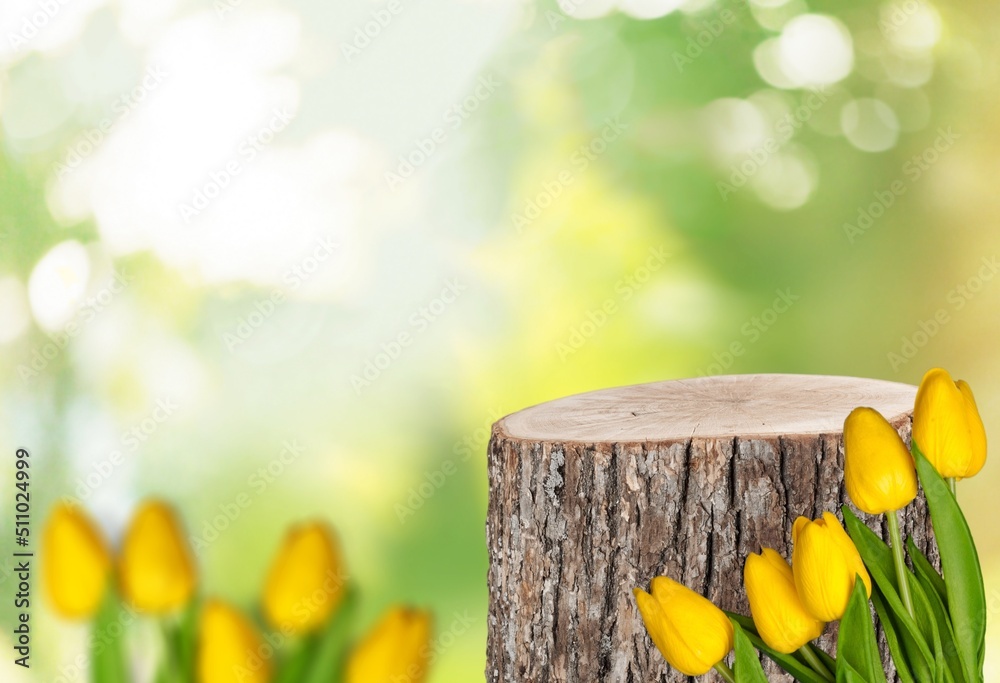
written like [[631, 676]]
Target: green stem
[[815, 662], [725, 672], [901, 571], [953, 485], [297, 661], [171, 666]]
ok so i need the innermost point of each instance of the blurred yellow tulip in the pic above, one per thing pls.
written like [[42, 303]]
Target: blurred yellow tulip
[[397, 649], [947, 426], [306, 582], [691, 633], [825, 563], [878, 469], [76, 562], [156, 570], [781, 619], [229, 647]]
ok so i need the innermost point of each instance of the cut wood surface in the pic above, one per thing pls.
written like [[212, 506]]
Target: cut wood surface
[[594, 494]]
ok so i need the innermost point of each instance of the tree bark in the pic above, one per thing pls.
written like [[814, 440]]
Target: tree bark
[[595, 494]]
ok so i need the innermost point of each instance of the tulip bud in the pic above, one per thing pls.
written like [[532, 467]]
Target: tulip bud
[[825, 563], [397, 649], [781, 619], [691, 633], [306, 582], [878, 469], [157, 571], [947, 427], [229, 648], [76, 564]]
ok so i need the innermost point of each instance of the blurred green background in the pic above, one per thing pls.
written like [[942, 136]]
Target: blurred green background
[[368, 230]]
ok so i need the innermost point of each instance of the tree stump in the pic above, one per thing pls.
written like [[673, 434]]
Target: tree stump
[[594, 494]]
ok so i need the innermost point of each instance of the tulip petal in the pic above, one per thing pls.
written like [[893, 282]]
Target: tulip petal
[[690, 632], [157, 571], [306, 582], [825, 564], [947, 426], [398, 648], [878, 469], [779, 615], [77, 562]]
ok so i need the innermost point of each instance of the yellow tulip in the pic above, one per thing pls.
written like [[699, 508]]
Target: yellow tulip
[[781, 619], [156, 570], [229, 648], [691, 633], [947, 426], [306, 582], [76, 563], [878, 469], [397, 649], [825, 563]]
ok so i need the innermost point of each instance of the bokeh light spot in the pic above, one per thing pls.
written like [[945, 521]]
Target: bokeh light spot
[[814, 50], [869, 124], [58, 283]]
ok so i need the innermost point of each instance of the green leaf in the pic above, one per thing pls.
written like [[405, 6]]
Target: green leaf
[[792, 664], [891, 631], [926, 571], [747, 668], [877, 557], [848, 674], [107, 645], [327, 664], [829, 662], [963, 576], [929, 625], [937, 612], [857, 648], [874, 551]]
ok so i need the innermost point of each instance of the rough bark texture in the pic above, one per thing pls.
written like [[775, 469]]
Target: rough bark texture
[[573, 526]]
